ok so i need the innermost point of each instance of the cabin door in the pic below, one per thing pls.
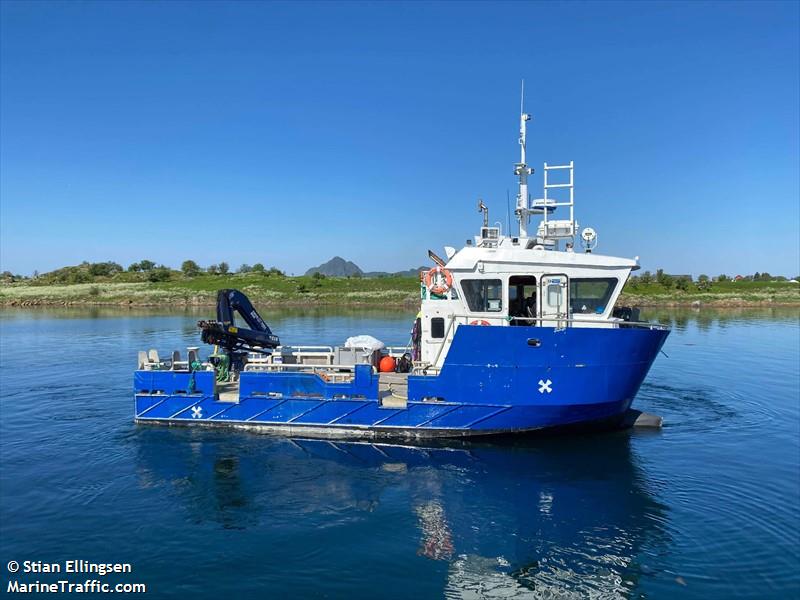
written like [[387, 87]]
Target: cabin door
[[554, 300]]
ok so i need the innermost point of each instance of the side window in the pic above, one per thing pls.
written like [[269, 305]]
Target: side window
[[591, 296], [437, 327], [483, 295]]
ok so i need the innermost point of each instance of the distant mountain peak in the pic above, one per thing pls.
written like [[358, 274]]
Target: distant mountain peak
[[337, 267]]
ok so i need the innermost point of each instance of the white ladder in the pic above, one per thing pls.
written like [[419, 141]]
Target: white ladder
[[556, 229]]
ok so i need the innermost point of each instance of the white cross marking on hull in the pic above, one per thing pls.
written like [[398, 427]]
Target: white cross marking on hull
[[197, 412], [545, 386]]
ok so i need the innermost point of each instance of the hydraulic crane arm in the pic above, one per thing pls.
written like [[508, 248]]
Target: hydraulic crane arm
[[224, 331]]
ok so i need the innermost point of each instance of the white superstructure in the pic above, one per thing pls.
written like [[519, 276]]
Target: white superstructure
[[538, 278]]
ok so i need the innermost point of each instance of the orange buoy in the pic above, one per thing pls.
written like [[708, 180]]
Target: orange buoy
[[387, 364], [479, 322]]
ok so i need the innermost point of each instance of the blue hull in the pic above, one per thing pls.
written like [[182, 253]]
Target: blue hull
[[495, 380]]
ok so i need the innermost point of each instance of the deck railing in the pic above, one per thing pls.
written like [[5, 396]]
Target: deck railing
[[598, 323]]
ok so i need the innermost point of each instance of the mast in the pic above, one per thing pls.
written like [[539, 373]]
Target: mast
[[522, 170]]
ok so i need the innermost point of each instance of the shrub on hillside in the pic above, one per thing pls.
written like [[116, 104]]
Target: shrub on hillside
[[104, 269], [190, 268], [663, 279], [703, 284], [159, 273], [682, 283]]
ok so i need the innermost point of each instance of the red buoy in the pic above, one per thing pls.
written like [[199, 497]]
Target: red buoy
[[387, 364]]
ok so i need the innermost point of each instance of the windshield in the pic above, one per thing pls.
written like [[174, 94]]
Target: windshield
[[591, 296]]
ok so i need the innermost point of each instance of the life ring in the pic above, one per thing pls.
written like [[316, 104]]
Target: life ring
[[479, 322], [438, 281]]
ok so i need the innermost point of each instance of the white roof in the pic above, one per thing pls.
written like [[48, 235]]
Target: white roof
[[467, 258]]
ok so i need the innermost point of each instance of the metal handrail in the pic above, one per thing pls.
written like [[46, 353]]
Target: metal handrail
[[647, 324], [444, 339], [396, 350], [643, 324], [307, 348], [307, 367]]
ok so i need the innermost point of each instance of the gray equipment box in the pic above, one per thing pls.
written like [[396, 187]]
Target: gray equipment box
[[352, 356]]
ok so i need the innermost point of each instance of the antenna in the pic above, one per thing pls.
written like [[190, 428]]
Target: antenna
[[482, 208], [522, 170], [435, 258], [508, 212]]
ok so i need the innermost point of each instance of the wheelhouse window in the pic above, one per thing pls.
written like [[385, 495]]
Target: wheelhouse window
[[591, 295], [483, 295]]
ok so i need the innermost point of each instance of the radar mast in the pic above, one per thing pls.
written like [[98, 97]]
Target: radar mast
[[522, 170]]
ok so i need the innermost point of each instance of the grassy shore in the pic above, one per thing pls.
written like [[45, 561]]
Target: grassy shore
[[720, 294], [202, 290], [330, 291]]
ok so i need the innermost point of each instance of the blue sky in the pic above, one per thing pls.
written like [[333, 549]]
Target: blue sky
[[288, 133]]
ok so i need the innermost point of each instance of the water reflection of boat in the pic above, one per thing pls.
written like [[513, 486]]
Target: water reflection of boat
[[568, 514]]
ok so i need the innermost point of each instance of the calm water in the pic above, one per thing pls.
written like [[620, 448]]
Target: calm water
[[707, 507]]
